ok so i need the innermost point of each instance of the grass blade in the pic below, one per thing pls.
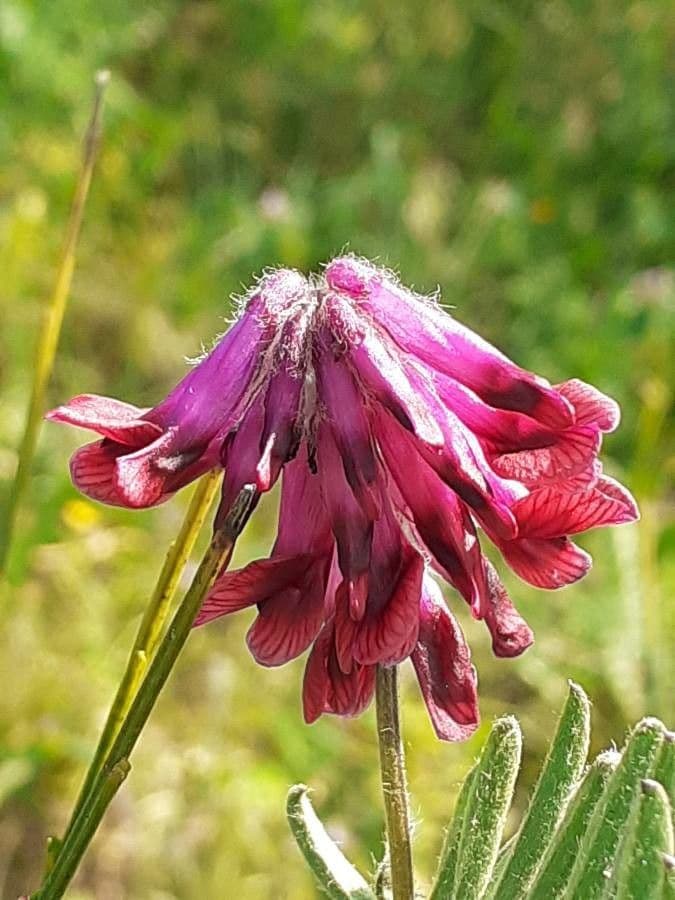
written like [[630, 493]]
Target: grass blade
[[53, 318]]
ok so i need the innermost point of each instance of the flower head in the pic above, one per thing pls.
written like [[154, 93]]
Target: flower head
[[400, 433]]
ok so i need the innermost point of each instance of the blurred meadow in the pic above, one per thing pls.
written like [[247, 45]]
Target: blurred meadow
[[519, 155]]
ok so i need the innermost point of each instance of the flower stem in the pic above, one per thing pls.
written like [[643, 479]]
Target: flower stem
[[149, 631], [84, 827], [53, 318], [394, 786]]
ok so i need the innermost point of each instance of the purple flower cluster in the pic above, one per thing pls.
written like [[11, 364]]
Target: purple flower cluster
[[399, 433]]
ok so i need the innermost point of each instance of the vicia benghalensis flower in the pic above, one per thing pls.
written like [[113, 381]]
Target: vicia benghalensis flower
[[399, 432]]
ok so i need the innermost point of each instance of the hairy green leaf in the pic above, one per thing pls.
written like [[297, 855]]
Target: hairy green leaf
[[561, 771], [640, 870], [489, 802], [594, 868], [447, 865], [335, 874], [559, 860]]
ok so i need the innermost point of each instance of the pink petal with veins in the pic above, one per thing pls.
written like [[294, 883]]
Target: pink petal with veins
[[548, 563], [113, 419], [548, 513], [591, 406]]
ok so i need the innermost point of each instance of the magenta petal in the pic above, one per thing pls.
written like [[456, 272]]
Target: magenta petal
[[548, 513], [208, 400], [442, 662], [253, 584], [421, 328], [511, 635], [591, 406], [572, 452], [118, 421], [389, 636], [384, 376], [546, 563], [241, 454], [507, 431], [279, 439], [290, 619]]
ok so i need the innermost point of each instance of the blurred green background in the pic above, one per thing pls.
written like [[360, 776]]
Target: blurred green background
[[518, 154]]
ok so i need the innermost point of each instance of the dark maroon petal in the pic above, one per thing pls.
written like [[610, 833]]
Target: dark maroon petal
[[422, 328], [548, 513], [389, 635], [351, 431], [290, 619], [443, 665], [327, 689], [113, 419], [546, 563], [573, 452], [255, 583], [315, 685], [591, 406], [511, 635], [351, 527]]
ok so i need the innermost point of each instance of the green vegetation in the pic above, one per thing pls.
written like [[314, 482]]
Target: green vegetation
[[519, 155]]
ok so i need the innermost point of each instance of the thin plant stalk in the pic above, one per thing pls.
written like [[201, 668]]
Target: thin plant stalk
[[394, 783], [216, 558], [149, 631], [53, 318]]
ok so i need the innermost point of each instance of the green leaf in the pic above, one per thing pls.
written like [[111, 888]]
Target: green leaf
[[491, 794], [558, 862], [561, 771], [641, 870], [335, 874], [447, 865], [669, 886], [594, 867], [664, 770]]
